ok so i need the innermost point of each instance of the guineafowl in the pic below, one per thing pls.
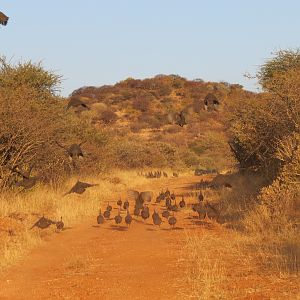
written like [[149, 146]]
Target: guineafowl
[[136, 211], [128, 218], [119, 203], [60, 224], [200, 209], [106, 214], [126, 205], [173, 197], [80, 187], [3, 19], [155, 215], [166, 214], [118, 218], [100, 218], [157, 220], [228, 185], [43, 223], [211, 211], [109, 207], [182, 203], [160, 197], [168, 202], [174, 207], [167, 193], [172, 221], [200, 197], [145, 213]]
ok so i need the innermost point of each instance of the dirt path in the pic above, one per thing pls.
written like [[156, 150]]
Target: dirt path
[[105, 262]]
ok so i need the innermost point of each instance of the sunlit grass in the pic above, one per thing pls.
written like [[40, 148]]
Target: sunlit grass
[[19, 211]]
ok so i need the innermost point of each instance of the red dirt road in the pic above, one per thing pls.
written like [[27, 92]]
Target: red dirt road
[[105, 262]]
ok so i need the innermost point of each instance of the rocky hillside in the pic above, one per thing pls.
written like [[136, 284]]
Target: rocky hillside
[[149, 110]]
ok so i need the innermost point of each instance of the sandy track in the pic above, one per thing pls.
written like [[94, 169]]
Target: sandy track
[[105, 262]]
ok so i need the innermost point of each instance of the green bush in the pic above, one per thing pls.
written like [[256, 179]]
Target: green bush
[[259, 124], [29, 75]]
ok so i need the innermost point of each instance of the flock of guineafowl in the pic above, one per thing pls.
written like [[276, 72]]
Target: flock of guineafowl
[[167, 210], [141, 209], [141, 202]]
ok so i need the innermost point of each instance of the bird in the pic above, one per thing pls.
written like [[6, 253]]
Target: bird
[[168, 202], [75, 102], [119, 203], [166, 214], [128, 218], [172, 221], [145, 213], [74, 150], [108, 207], [126, 205], [228, 185], [60, 224], [26, 182], [118, 218], [43, 223], [157, 220], [160, 197], [100, 218], [182, 203], [155, 215], [174, 207], [136, 211], [167, 193], [211, 211], [80, 187], [173, 197], [106, 214], [200, 209], [200, 197], [3, 19]]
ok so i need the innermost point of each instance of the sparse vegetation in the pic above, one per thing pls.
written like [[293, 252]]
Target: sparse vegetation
[[130, 126], [263, 208]]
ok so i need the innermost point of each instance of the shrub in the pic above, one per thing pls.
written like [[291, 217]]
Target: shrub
[[282, 62], [108, 117], [29, 75], [32, 120], [141, 104], [259, 124]]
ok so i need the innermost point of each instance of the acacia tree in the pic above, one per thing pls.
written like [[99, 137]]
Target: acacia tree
[[280, 63], [260, 125], [32, 119]]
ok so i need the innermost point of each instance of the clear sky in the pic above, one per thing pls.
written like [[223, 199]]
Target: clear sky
[[96, 42]]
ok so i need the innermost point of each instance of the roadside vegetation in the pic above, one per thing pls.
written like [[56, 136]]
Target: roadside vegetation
[[252, 140], [263, 208]]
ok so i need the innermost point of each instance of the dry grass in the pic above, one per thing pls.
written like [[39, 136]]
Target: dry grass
[[259, 259], [18, 212], [226, 265]]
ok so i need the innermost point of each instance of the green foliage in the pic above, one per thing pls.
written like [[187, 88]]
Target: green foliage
[[260, 125], [32, 120], [282, 61], [30, 75]]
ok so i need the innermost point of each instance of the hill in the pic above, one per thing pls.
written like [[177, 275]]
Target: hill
[[147, 110]]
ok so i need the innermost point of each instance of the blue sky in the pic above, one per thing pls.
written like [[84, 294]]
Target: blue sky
[[97, 42]]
